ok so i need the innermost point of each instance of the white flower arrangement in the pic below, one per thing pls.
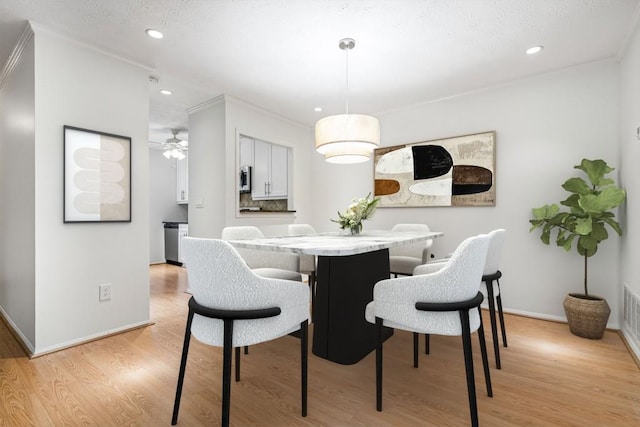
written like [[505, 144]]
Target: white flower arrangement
[[358, 211]]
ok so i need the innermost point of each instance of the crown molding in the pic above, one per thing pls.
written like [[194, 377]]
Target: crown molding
[[25, 36], [206, 104], [40, 29], [264, 111]]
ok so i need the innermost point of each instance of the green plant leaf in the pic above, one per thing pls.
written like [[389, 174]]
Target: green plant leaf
[[583, 226], [587, 246], [609, 198], [568, 242], [576, 185], [595, 169], [546, 211], [545, 236], [572, 201], [614, 224]]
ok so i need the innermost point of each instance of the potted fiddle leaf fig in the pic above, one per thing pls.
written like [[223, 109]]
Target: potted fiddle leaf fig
[[588, 214]]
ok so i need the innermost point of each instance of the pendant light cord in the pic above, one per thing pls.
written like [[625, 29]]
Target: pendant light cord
[[347, 78]]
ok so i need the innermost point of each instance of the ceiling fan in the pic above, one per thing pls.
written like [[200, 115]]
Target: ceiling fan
[[175, 147]]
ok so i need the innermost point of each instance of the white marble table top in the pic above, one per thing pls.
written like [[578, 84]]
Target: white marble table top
[[335, 244]]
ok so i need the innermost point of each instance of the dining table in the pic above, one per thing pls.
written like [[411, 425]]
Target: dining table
[[348, 267]]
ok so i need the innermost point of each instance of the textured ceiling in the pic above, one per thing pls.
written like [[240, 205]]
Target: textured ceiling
[[283, 55]]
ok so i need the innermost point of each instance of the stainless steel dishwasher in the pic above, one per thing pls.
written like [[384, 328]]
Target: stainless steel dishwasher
[[171, 243]]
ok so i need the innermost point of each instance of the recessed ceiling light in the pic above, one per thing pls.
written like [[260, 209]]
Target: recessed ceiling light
[[166, 92], [534, 49], [317, 109], [154, 33]]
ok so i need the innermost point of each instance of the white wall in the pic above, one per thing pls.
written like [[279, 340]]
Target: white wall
[[213, 166], [162, 201], [545, 125], [17, 183], [207, 169], [78, 86], [630, 148]]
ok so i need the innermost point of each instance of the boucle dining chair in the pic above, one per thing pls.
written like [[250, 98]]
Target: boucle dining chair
[[275, 265], [231, 307], [490, 288], [444, 302], [403, 259], [307, 262]]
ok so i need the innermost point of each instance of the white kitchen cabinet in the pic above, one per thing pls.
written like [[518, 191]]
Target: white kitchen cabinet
[[182, 180], [269, 178], [246, 151], [183, 231]]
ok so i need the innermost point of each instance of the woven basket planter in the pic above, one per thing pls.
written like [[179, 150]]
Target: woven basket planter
[[587, 316]]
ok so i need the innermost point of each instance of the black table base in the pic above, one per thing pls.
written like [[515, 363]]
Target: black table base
[[344, 287]]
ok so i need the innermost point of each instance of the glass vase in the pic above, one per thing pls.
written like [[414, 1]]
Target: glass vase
[[356, 229]]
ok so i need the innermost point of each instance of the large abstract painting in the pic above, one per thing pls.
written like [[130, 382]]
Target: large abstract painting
[[457, 171], [97, 176]]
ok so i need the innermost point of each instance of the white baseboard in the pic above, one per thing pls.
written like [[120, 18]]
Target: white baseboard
[[543, 316], [89, 338], [631, 314], [632, 343], [26, 344]]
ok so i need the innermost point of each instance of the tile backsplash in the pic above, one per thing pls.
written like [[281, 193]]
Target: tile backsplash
[[267, 205]]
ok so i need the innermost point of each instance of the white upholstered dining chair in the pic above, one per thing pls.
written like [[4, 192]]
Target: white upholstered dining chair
[[403, 259], [307, 262], [443, 300], [275, 265], [231, 307], [490, 288]]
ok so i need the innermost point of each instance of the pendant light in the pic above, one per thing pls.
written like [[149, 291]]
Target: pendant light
[[347, 138]]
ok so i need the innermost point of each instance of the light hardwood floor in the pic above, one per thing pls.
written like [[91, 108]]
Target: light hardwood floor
[[549, 377]]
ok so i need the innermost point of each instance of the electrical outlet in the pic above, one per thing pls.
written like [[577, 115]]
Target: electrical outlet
[[105, 292]]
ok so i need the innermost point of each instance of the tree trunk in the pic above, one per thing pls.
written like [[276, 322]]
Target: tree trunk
[[586, 291]]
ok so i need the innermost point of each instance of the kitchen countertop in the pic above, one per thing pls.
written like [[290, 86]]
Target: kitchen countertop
[[246, 210]]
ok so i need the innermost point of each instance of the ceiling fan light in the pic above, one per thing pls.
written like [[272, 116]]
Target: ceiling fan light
[[167, 154]]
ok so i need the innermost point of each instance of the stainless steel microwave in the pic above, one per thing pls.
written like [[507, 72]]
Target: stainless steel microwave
[[245, 179]]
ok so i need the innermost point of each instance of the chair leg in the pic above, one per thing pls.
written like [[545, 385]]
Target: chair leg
[[501, 314], [183, 366], [492, 317], [304, 363], [468, 363], [415, 349], [426, 344], [485, 359], [237, 364], [226, 371], [378, 364]]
